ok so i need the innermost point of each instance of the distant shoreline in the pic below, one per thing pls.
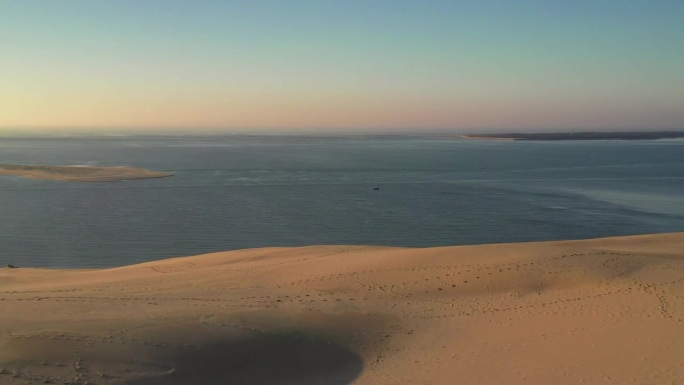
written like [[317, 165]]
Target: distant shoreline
[[81, 173], [637, 135], [483, 137]]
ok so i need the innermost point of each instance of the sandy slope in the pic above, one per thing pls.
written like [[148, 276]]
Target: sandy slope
[[80, 173], [606, 311]]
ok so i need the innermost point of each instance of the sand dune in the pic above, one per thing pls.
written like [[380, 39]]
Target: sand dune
[[604, 311], [80, 173]]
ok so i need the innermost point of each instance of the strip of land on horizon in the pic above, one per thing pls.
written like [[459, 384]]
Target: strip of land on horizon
[[81, 173], [600, 311], [632, 135]]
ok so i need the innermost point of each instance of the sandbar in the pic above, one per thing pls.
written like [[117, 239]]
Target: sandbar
[[601, 311], [81, 173]]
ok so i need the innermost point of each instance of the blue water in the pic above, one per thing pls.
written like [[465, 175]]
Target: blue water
[[251, 191]]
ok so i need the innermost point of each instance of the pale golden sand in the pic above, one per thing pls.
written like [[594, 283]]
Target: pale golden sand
[[605, 311], [80, 173]]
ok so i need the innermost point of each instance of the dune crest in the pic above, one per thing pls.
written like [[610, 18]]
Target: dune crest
[[599, 311], [81, 173]]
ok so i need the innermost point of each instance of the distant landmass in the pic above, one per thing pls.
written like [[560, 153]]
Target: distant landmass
[[80, 173], [634, 135]]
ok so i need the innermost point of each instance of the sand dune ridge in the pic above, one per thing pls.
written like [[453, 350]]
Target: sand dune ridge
[[595, 311]]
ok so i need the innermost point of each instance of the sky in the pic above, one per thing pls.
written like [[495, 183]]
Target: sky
[[322, 66]]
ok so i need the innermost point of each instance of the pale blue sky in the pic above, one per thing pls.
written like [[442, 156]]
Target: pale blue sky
[[323, 65]]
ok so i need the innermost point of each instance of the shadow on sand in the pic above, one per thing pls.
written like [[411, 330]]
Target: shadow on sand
[[265, 359]]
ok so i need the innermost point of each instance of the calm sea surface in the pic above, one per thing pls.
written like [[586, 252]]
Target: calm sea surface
[[252, 191]]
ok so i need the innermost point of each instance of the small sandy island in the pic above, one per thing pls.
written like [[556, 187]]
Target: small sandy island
[[602, 311], [80, 173]]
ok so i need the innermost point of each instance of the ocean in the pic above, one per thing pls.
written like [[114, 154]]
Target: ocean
[[235, 192]]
